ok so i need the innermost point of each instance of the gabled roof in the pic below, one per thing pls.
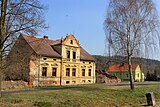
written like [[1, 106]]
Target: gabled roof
[[52, 48], [121, 68], [41, 46]]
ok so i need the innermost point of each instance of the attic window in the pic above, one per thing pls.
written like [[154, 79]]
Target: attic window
[[44, 58], [54, 59], [89, 62], [71, 41]]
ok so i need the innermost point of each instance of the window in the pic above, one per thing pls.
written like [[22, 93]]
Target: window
[[127, 75], [138, 75], [73, 72], [44, 71], [54, 70], [54, 59], [71, 41], [67, 82], [83, 81], [44, 58], [68, 54], [89, 72], [84, 62], [83, 72], [74, 55], [89, 62], [54, 82], [89, 80], [73, 82], [67, 72]]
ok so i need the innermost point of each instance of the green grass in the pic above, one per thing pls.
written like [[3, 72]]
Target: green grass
[[94, 96]]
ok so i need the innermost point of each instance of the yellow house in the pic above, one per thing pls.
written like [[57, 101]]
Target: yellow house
[[122, 71], [54, 62]]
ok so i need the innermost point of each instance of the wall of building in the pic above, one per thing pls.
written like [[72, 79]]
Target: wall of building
[[122, 75], [17, 60], [139, 75], [71, 63], [37, 66], [79, 78], [36, 71], [62, 65]]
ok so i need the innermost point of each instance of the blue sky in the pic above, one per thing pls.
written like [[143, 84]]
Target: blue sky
[[83, 18]]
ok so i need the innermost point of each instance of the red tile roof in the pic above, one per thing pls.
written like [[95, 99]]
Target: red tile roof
[[121, 68], [52, 48], [84, 55], [41, 46]]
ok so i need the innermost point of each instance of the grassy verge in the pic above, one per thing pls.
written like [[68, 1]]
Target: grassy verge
[[95, 96]]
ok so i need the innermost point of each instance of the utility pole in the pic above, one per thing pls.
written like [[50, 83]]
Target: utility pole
[[39, 70], [61, 72]]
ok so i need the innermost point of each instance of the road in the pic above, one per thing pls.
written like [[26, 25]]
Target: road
[[77, 86], [128, 83]]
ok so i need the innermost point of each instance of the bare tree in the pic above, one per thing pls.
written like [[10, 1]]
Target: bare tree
[[18, 16], [131, 28]]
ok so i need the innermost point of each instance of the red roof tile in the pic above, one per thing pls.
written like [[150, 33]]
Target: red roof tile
[[41, 46], [84, 55], [52, 48], [121, 68]]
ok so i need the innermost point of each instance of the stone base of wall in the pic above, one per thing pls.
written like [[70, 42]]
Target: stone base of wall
[[107, 80], [48, 83], [10, 85]]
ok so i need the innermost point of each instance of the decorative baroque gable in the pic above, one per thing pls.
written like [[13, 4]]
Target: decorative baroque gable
[[71, 41]]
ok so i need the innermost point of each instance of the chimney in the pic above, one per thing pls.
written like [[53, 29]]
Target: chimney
[[62, 39], [45, 37]]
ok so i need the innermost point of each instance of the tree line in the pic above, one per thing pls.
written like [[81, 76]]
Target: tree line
[[150, 67]]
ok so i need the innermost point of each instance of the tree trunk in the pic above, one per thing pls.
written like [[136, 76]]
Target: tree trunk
[[130, 72], [1, 55], [2, 36], [1, 67]]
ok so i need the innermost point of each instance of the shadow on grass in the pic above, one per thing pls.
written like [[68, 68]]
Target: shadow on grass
[[38, 89], [145, 105]]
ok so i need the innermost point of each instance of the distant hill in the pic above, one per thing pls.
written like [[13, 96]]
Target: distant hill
[[148, 66]]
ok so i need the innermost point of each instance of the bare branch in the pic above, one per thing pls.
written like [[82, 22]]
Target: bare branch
[[132, 25]]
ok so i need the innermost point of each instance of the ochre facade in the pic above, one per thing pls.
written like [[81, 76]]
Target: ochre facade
[[59, 62]]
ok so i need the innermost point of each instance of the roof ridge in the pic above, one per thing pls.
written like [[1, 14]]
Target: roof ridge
[[41, 46], [123, 68]]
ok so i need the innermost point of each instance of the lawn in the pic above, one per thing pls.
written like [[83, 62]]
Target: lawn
[[83, 96]]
